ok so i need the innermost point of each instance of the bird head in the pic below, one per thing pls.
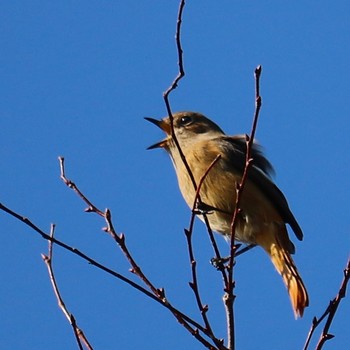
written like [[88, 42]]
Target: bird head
[[189, 127]]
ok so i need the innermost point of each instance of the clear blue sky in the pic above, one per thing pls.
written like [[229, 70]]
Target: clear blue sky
[[77, 79]]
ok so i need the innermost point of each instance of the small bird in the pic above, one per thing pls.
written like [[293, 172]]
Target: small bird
[[264, 211]]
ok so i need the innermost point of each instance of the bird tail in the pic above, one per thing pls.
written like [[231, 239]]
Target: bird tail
[[285, 266]]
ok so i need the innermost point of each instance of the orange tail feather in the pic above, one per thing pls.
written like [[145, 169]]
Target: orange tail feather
[[285, 266]]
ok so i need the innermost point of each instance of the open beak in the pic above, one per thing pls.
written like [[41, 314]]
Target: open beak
[[165, 127]]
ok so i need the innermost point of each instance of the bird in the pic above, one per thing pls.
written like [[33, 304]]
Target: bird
[[264, 211]]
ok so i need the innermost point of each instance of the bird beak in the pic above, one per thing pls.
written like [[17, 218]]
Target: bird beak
[[165, 127]]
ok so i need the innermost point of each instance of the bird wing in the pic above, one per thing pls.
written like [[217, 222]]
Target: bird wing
[[260, 173]]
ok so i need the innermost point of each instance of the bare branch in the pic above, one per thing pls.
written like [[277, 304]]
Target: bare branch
[[228, 281], [181, 317], [173, 86], [119, 239], [159, 293], [330, 312], [181, 72], [77, 252], [229, 296], [194, 284], [197, 204], [78, 333], [71, 184]]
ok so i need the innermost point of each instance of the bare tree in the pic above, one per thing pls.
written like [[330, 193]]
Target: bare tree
[[202, 330]]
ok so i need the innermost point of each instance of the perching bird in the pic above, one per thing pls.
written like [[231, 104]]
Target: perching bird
[[264, 209]]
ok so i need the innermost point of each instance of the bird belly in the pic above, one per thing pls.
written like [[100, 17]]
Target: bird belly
[[218, 193]]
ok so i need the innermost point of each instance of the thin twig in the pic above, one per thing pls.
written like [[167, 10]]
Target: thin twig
[[181, 317], [197, 202], [194, 284], [119, 239], [330, 312], [173, 86], [181, 72], [229, 296], [71, 184], [159, 293], [78, 333], [76, 251]]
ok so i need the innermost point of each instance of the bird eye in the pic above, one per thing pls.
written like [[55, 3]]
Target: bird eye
[[185, 120]]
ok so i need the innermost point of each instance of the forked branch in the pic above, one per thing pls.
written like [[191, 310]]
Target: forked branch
[[158, 294], [329, 313]]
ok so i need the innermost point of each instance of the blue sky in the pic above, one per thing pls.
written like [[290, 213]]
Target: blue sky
[[77, 79]]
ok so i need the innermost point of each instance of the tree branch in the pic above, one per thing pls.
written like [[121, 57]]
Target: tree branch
[[329, 313], [119, 239], [185, 320], [159, 293], [78, 333], [194, 284], [229, 296]]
